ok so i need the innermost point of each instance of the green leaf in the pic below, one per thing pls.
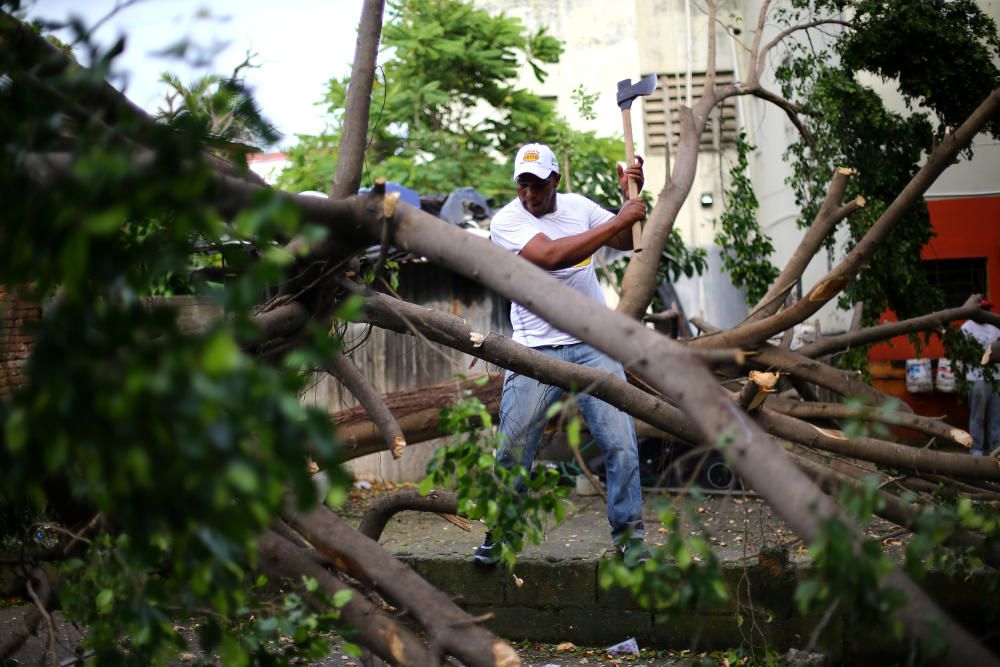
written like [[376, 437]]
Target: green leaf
[[341, 598], [242, 477], [220, 354], [104, 601]]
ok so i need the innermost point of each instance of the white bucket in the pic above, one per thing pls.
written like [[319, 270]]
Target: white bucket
[[945, 379], [584, 487], [918, 376]]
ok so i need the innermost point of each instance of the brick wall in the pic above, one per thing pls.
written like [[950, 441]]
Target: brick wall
[[16, 318]]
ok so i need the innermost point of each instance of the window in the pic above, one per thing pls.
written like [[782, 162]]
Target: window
[[662, 110], [957, 278]]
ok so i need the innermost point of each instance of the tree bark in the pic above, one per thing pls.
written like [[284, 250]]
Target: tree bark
[[418, 412], [932, 427], [456, 633], [384, 635], [970, 310], [354, 136], [830, 213], [767, 357], [900, 457], [378, 412], [639, 281], [377, 516]]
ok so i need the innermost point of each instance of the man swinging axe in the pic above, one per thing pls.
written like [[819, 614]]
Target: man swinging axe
[[560, 232]]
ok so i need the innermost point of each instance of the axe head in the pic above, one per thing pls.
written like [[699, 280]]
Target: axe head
[[628, 91]]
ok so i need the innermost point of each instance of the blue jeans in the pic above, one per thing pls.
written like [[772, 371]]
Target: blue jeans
[[522, 420], [984, 416]]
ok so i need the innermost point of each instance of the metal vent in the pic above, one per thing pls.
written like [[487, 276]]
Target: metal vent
[[721, 129]]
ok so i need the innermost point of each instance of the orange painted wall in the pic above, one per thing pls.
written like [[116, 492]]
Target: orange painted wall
[[965, 227]]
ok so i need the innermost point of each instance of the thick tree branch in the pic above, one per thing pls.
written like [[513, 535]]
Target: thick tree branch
[[803, 369], [453, 630], [377, 516], [385, 636], [359, 94], [344, 370], [753, 76], [970, 310], [401, 316], [901, 457], [830, 213], [932, 427], [639, 282]]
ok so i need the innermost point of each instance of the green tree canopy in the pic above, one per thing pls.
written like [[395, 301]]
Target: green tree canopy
[[941, 56], [447, 111]]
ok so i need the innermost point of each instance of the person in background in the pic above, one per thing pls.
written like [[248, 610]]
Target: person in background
[[984, 402]]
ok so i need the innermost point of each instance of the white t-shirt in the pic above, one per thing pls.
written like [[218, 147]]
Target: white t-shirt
[[986, 334], [512, 227]]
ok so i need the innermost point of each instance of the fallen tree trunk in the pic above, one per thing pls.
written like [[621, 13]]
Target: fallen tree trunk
[[417, 412]]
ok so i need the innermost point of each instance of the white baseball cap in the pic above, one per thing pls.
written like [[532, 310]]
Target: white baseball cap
[[535, 159]]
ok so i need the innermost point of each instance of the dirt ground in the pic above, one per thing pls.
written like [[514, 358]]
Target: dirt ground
[[37, 651]]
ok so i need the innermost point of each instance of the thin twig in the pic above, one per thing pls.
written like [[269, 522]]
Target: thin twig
[[45, 615]]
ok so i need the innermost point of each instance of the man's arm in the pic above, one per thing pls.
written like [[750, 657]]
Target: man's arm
[[569, 251]]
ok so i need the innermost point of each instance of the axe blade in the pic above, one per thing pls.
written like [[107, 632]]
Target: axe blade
[[628, 91]]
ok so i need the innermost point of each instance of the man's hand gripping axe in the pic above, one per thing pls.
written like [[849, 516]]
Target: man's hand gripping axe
[[627, 92]]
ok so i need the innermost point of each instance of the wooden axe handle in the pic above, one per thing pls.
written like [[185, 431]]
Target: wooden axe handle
[[633, 189]]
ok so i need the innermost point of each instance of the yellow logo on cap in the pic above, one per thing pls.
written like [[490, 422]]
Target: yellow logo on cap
[[531, 156]]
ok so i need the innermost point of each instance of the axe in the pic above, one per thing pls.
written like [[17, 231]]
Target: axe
[[627, 92]]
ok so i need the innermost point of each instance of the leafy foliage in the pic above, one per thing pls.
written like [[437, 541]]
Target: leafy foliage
[[225, 109], [182, 444], [746, 248], [850, 125], [681, 574], [513, 503], [848, 576]]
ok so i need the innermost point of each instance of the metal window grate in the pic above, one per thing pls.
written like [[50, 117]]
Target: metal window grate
[[957, 278], [671, 92]]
